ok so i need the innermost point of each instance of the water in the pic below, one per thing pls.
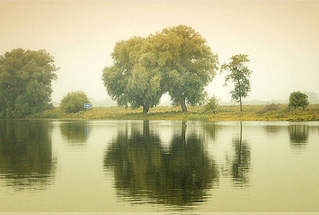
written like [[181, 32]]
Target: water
[[158, 166]]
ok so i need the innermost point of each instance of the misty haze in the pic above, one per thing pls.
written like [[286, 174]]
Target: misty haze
[[178, 107]]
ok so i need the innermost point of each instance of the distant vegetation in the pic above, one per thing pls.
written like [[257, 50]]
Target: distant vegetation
[[212, 105], [176, 61], [25, 82], [298, 99], [224, 113], [74, 102]]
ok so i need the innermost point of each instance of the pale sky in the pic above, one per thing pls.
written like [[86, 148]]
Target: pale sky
[[280, 37]]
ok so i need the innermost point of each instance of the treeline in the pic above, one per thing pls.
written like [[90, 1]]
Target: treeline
[[176, 61]]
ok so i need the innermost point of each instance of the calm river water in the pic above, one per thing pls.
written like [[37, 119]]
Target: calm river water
[[158, 166]]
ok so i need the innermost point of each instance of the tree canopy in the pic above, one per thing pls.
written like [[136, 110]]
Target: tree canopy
[[298, 99], [239, 74], [74, 102], [176, 60], [130, 80], [185, 62], [25, 82]]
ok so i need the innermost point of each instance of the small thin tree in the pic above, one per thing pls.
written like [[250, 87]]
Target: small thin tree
[[239, 74]]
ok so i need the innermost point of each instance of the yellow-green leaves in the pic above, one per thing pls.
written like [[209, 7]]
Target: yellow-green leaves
[[239, 74], [74, 102], [25, 82], [176, 60]]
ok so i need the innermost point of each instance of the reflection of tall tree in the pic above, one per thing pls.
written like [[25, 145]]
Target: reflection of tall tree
[[189, 169], [75, 132], [26, 154], [143, 170], [298, 135], [241, 162]]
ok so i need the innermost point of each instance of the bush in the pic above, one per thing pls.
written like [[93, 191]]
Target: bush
[[212, 105], [270, 107], [298, 99], [74, 102]]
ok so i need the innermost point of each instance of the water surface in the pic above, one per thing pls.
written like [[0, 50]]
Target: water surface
[[158, 166]]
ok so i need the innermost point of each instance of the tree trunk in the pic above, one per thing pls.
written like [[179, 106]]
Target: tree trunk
[[183, 105], [145, 108], [241, 106]]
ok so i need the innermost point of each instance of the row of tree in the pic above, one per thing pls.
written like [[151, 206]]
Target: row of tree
[[176, 60]]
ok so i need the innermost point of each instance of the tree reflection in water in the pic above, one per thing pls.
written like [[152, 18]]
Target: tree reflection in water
[[298, 136], [26, 154], [75, 132], [241, 161], [144, 171]]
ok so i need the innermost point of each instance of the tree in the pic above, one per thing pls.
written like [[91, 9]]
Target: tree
[[298, 99], [74, 102], [238, 74], [185, 62], [131, 79], [25, 82]]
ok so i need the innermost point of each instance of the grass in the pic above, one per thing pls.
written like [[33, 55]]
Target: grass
[[224, 113]]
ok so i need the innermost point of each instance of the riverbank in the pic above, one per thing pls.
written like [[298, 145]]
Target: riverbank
[[224, 113]]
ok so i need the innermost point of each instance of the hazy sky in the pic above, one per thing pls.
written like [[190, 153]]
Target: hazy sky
[[280, 37]]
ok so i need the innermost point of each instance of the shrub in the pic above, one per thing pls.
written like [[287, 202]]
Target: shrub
[[270, 107], [212, 105], [298, 99], [74, 102]]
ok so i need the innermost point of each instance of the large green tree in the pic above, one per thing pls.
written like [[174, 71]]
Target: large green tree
[[239, 74], [185, 62], [176, 60], [25, 82], [132, 79]]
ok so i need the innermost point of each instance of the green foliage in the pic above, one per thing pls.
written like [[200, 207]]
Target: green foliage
[[185, 62], [25, 82], [132, 80], [176, 60], [298, 99], [212, 105], [74, 102], [239, 75]]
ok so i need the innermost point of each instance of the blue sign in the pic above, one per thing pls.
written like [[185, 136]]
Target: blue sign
[[87, 106]]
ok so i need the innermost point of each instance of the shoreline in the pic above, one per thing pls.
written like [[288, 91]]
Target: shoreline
[[224, 113]]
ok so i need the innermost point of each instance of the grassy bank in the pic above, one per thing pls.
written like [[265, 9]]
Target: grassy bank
[[224, 113]]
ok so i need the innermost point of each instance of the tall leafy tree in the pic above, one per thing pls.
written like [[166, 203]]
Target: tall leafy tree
[[25, 82], [185, 62], [131, 79], [239, 74]]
